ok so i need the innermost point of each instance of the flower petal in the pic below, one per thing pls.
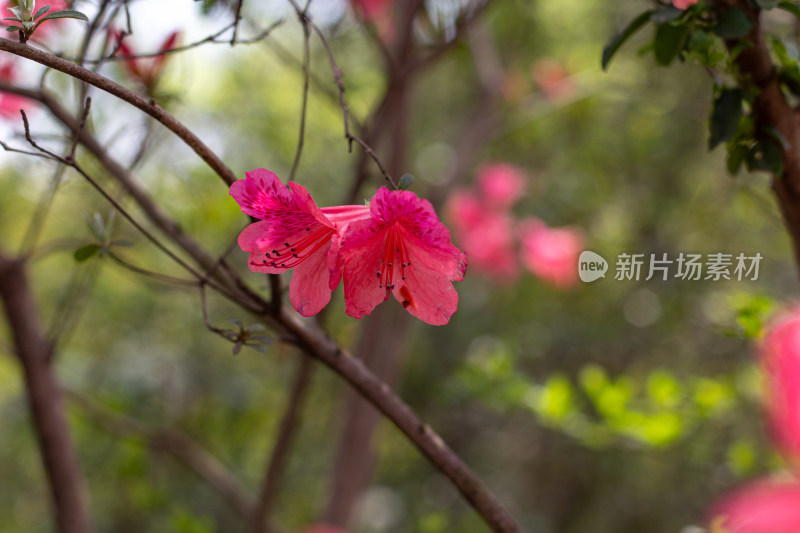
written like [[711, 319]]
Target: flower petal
[[361, 255], [430, 238], [765, 506], [308, 290], [426, 294], [260, 194]]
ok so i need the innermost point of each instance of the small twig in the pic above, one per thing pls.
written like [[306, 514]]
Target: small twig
[[236, 20], [151, 274], [86, 108], [71, 163], [149, 106], [211, 39], [337, 79], [276, 292], [304, 20]]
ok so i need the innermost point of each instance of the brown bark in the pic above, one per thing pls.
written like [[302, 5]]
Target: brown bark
[[45, 400], [381, 348], [771, 108]]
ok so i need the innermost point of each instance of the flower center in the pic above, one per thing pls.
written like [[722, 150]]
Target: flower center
[[394, 257], [292, 254]]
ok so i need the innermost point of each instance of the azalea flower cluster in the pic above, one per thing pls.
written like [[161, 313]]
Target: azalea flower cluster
[[487, 229], [770, 505], [395, 245]]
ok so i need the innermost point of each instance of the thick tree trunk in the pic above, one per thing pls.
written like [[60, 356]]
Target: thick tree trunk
[[45, 400]]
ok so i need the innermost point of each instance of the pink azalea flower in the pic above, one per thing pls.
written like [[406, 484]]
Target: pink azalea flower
[[501, 184], [402, 249], [780, 356], [765, 506], [293, 233], [486, 236], [683, 4], [551, 253]]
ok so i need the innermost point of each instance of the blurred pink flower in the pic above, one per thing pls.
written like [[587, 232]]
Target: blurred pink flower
[[486, 236], [372, 9], [405, 250], [10, 104], [293, 233], [551, 253], [780, 356], [146, 70], [501, 185], [764, 506], [683, 4], [552, 79]]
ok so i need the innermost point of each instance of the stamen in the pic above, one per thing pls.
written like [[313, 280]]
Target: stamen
[[303, 248]]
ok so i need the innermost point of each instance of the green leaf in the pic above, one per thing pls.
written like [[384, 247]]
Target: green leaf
[[17, 12], [124, 244], [12, 18], [773, 133], [41, 11], [765, 155], [736, 155], [236, 322], [791, 78], [662, 15], [84, 253], [670, 40], [766, 4], [68, 14], [13, 28], [725, 116], [618, 40], [733, 24], [791, 7], [405, 181]]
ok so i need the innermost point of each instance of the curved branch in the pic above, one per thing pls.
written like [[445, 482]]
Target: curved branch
[[149, 106], [395, 409]]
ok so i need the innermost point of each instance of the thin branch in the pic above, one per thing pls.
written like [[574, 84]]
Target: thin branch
[[210, 39], [395, 409], [149, 106], [337, 79], [175, 443], [149, 273], [238, 17], [306, 78], [122, 211]]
